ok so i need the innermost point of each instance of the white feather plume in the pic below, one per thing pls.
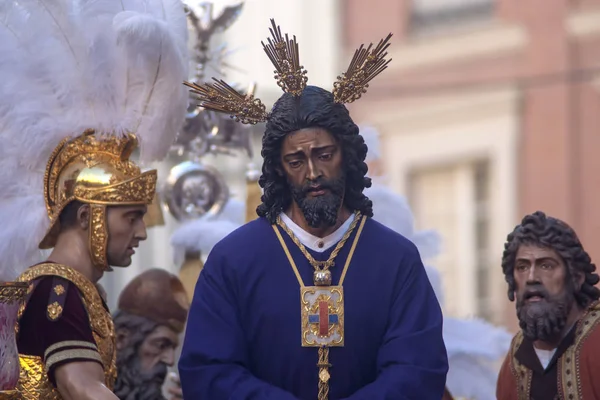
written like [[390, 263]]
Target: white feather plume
[[475, 350], [204, 233], [474, 346], [200, 235], [155, 80], [71, 65], [393, 211], [233, 211], [371, 138]]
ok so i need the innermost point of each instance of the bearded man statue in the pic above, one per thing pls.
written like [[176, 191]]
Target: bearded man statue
[[556, 354], [152, 313]]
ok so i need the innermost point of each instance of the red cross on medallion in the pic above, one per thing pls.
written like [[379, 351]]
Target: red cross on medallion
[[323, 318]]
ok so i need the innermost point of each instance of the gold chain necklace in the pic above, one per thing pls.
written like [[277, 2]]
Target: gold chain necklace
[[322, 275]]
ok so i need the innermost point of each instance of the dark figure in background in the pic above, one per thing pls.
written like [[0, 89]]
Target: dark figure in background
[[152, 313], [556, 355]]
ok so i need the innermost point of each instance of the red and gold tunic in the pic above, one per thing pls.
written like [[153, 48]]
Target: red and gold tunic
[[572, 374], [64, 319]]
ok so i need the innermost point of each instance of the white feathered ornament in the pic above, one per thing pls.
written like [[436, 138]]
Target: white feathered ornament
[[69, 65], [194, 240], [371, 138], [376, 169], [392, 210], [203, 234], [474, 347]]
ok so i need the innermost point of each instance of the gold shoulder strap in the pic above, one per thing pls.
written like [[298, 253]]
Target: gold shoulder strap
[[91, 296], [88, 289]]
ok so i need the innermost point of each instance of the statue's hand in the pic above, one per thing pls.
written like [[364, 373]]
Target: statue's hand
[[174, 389]]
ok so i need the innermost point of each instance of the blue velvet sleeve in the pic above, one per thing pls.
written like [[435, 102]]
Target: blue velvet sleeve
[[213, 363], [412, 360]]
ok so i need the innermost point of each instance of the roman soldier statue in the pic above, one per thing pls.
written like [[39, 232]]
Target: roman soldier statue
[[83, 84]]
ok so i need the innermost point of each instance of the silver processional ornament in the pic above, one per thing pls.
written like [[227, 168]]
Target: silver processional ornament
[[206, 132], [194, 190]]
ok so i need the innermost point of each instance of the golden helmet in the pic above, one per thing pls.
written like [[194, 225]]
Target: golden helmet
[[95, 171]]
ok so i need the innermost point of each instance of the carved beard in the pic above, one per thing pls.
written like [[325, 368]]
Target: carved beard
[[544, 319], [322, 210], [132, 384]]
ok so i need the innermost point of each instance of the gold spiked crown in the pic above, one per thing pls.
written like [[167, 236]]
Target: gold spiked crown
[[291, 76], [96, 171]]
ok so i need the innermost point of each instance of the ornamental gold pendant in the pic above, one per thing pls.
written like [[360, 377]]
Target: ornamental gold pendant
[[322, 310], [322, 277]]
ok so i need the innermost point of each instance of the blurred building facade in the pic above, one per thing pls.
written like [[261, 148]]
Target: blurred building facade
[[488, 111]]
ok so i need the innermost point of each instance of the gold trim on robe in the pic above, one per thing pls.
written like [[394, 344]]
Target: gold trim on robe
[[569, 384], [522, 374]]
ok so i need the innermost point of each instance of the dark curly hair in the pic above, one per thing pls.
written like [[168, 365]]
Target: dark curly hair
[[314, 108], [541, 230]]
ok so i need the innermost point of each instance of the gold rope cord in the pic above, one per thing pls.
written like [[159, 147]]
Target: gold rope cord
[[293, 264], [323, 373]]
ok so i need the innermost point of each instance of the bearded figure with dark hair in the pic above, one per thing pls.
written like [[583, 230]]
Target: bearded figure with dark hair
[[556, 355], [313, 299], [151, 316]]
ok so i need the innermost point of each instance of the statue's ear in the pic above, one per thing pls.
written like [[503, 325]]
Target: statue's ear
[[83, 216], [123, 336]]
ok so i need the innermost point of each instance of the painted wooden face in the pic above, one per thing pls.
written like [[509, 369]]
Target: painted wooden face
[[544, 291], [144, 358], [311, 154], [158, 347], [540, 267], [126, 229], [312, 163]]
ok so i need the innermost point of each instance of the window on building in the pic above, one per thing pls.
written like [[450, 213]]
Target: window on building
[[482, 239], [428, 15], [437, 198], [455, 201]]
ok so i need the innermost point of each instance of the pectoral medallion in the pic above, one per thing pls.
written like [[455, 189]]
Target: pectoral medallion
[[322, 311], [322, 306]]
